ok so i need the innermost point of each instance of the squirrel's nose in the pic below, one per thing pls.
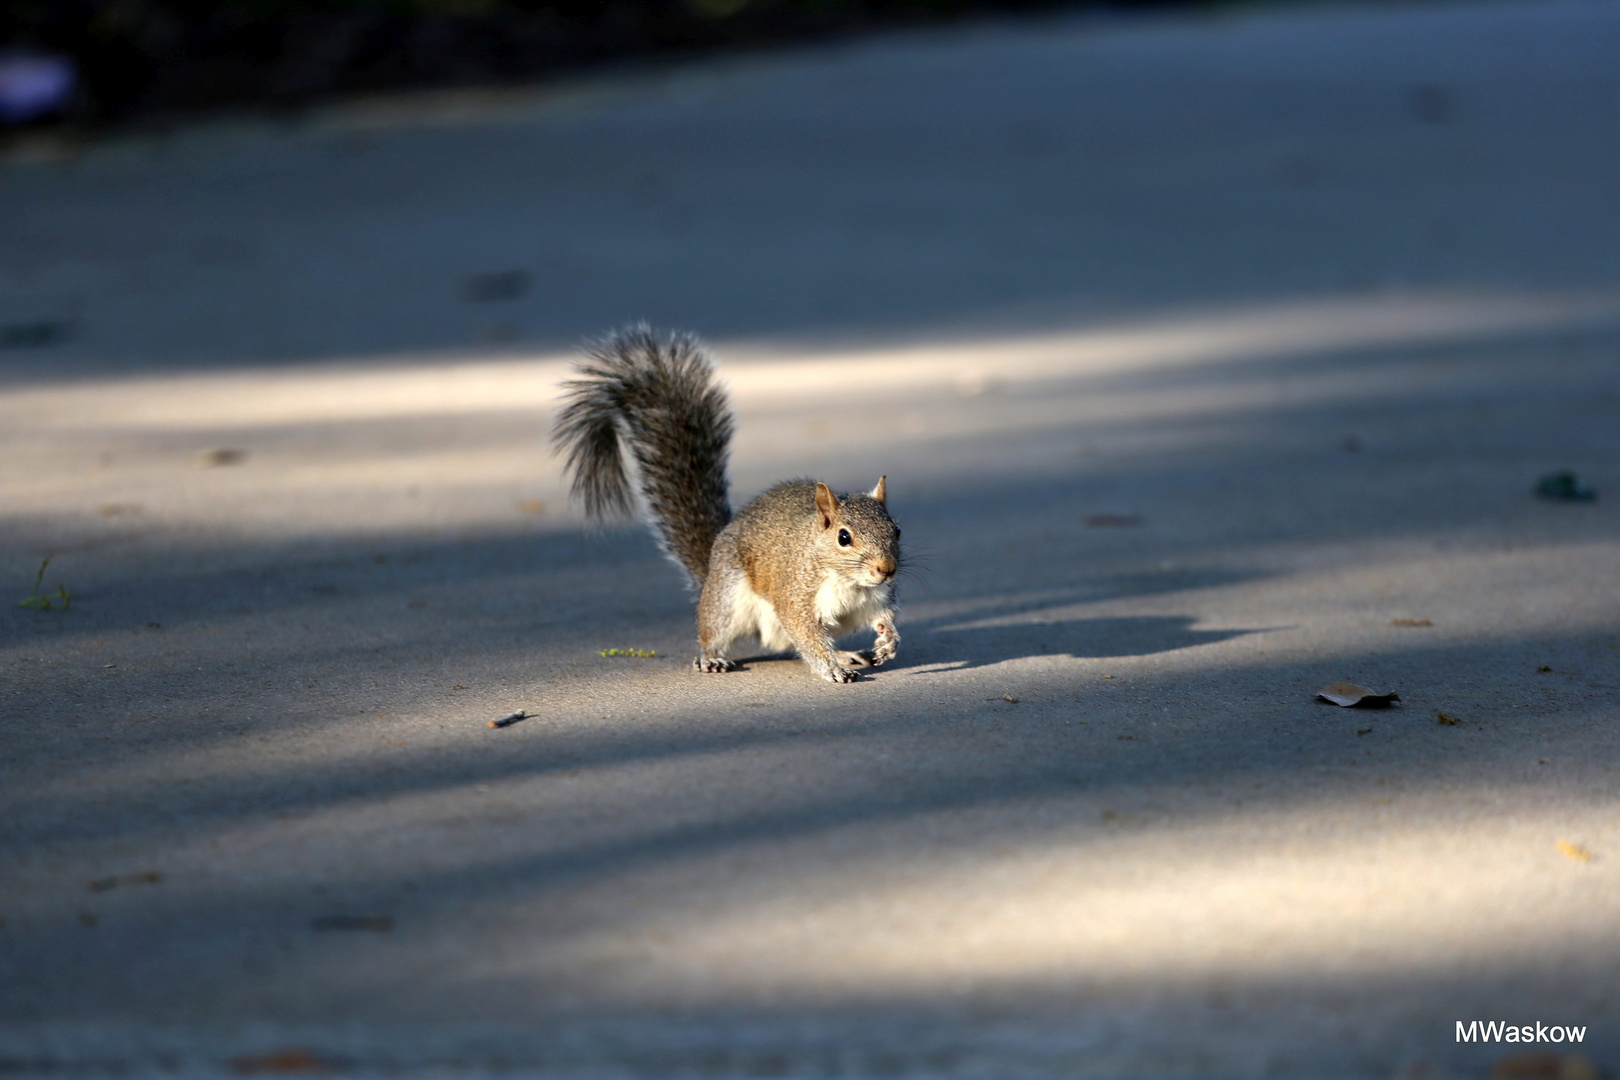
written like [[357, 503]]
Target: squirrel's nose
[[886, 567]]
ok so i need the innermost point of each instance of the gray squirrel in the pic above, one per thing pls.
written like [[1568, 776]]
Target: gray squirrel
[[799, 566]]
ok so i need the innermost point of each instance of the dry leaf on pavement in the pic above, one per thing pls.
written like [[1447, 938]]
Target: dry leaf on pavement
[[1349, 695]]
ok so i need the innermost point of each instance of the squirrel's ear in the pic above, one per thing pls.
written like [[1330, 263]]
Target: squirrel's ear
[[826, 504], [881, 492]]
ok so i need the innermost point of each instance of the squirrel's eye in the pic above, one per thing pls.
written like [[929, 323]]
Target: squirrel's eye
[[843, 538]]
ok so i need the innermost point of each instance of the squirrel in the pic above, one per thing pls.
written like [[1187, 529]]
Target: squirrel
[[798, 566]]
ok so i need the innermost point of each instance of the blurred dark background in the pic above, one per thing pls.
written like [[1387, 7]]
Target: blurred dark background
[[159, 59]]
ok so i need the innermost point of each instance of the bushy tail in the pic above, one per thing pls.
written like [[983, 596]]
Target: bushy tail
[[656, 395]]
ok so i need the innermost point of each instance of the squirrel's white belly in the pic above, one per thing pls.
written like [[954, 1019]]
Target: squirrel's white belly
[[843, 606], [840, 605], [752, 614]]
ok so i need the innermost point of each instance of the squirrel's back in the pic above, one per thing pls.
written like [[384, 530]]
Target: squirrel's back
[[655, 396]]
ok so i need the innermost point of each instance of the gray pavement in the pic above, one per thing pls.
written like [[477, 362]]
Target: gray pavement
[[1210, 358]]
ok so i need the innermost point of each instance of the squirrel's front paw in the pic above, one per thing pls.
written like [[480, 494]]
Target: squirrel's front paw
[[886, 645], [712, 664], [842, 674]]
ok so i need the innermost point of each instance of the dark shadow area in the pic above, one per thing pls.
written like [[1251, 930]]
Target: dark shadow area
[[1140, 635], [152, 62], [921, 195]]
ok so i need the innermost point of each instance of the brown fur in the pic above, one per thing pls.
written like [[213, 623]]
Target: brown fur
[[783, 548]]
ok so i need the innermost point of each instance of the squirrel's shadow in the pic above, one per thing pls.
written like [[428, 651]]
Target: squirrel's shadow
[[978, 646], [1131, 635]]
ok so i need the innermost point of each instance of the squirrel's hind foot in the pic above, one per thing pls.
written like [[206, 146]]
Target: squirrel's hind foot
[[713, 664]]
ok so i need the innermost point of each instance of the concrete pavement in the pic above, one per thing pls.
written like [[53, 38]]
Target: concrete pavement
[[1210, 358]]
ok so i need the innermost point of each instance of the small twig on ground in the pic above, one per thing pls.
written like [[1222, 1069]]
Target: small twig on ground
[[508, 721]]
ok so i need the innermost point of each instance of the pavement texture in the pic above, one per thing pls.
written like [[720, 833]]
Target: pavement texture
[[1210, 359]]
